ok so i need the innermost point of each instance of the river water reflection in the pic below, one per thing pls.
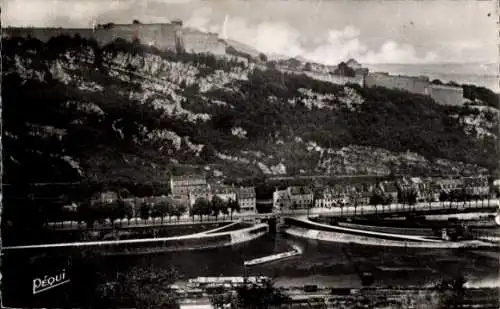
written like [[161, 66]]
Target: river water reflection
[[321, 263], [328, 264]]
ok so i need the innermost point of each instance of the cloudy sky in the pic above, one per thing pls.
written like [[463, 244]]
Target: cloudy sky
[[325, 31]]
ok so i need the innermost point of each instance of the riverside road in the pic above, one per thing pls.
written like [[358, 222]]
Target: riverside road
[[432, 208]]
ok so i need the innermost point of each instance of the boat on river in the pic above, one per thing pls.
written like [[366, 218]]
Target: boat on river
[[270, 258]]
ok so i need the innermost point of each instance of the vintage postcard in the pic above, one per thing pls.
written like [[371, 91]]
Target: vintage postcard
[[250, 154]]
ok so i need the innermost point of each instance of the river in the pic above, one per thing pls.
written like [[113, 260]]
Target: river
[[321, 263], [327, 263]]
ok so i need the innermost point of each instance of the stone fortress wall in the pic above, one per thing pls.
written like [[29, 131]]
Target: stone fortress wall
[[447, 95], [201, 42], [442, 94], [407, 83], [337, 79], [167, 36]]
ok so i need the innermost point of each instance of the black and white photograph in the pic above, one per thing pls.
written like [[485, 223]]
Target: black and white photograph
[[237, 154]]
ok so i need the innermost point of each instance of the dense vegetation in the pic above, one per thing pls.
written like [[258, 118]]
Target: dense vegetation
[[389, 119]]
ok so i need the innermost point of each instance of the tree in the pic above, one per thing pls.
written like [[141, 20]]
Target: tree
[[233, 206], [253, 296], [412, 196], [262, 57], [201, 207], [128, 211], [377, 198], [217, 205], [178, 210], [140, 287], [114, 210], [354, 198], [208, 152], [99, 211], [144, 210], [161, 209]]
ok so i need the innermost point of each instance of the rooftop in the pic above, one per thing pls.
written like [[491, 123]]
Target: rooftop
[[245, 192], [189, 178], [222, 189], [449, 181], [299, 190]]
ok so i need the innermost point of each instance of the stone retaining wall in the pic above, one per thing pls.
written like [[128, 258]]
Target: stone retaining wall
[[197, 241], [307, 229]]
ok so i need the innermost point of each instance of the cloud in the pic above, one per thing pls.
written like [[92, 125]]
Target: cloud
[[392, 52], [58, 12], [280, 38]]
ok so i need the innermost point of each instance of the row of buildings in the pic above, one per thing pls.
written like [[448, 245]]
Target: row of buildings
[[186, 189], [425, 190]]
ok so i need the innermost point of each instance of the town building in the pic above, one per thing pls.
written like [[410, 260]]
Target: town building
[[247, 199], [390, 188], [104, 197], [186, 189], [422, 188], [226, 193], [435, 191], [330, 197], [281, 200], [301, 197], [476, 186], [360, 194], [447, 185]]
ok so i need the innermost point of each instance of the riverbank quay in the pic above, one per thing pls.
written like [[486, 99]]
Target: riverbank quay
[[434, 208], [198, 241], [384, 236]]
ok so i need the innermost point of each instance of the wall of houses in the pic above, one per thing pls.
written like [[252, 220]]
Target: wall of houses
[[247, 205]]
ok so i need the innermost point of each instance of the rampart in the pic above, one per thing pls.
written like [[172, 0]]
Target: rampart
[[411, 84], [331, 78], [442, 94], [200, 42], [447, 95], [337, 79], [166, 36]]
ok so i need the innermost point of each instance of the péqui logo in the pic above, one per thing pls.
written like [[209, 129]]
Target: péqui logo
[[49, 282]]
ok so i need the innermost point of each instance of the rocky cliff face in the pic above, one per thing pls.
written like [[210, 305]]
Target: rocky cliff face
[[75, 110]]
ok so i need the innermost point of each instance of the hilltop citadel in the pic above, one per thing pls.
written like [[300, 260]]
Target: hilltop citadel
[[174, 36]]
